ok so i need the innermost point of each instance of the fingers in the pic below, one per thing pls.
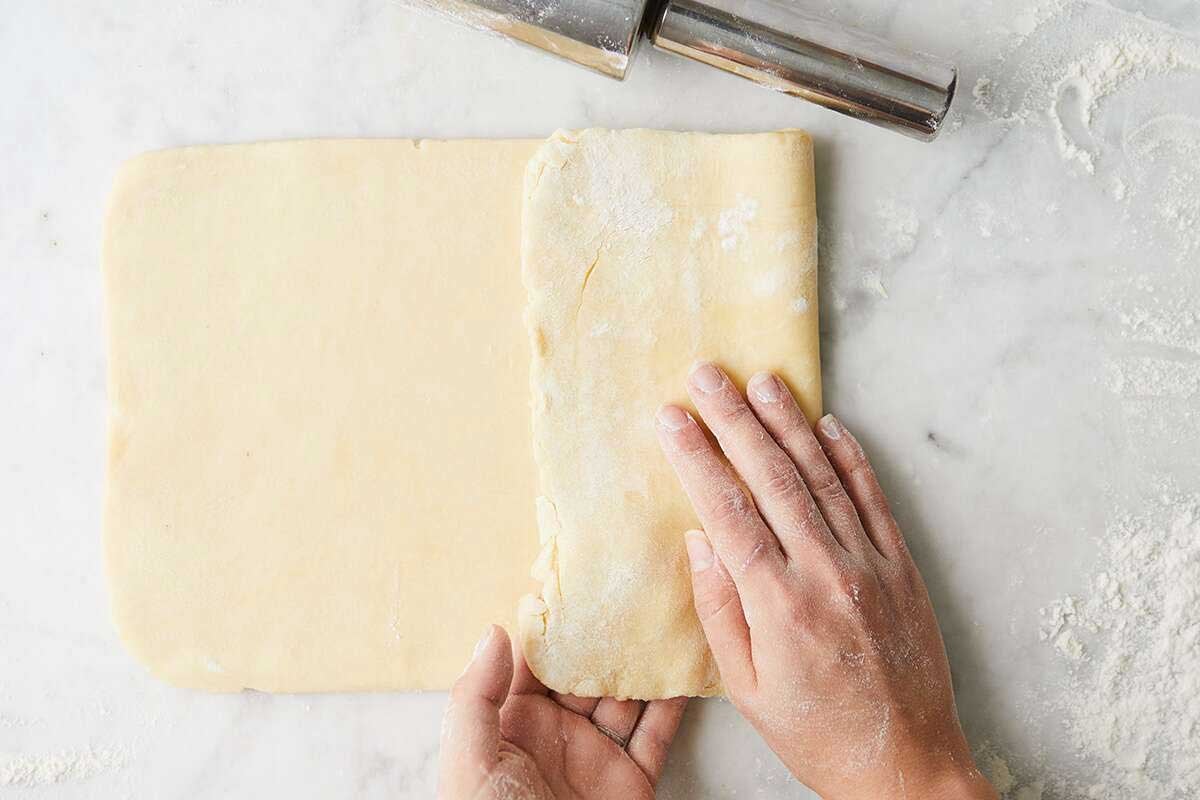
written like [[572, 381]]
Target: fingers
[[653, 735], [721, 615], [616, 719], [772, 476], [739, 535], [583, 706], [471, 725], [856, 474], [783, 419]]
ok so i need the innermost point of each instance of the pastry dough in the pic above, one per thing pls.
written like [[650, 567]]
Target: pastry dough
[[642, 252], [320, 474]]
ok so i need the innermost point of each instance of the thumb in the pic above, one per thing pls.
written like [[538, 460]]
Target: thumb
[[471, 724], [719, 608]]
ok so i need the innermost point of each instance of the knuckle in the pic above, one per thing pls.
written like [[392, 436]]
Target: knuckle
[[843, 577], [856, 587], [800, 614], [692, 445], [847, 586], [710, 603], [732, 411], [826, 486], [781, 480], [729, 506], [794, 428], [879, 513], [855, 459], [860, 471], [460, 692], [754, 560]]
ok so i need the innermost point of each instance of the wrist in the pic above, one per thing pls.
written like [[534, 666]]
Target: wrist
[[961, 784], [945, 774], [939, 773]]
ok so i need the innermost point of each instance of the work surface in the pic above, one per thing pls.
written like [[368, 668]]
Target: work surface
[[1011, 320]]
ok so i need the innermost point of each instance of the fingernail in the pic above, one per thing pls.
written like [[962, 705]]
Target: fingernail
[[707, 378], [482, 644], [830, 426], [766, 388], [700, 554], [673, 418]]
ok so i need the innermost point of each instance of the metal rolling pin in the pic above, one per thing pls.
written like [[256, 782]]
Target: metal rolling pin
[[774, 44]]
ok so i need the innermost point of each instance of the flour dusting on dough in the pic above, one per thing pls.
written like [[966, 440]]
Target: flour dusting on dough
[[785, 241], [768, 283], [734, 223], [618, 190]]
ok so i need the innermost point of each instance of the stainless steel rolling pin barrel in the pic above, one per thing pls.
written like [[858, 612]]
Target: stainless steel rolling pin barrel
[[776, 44]]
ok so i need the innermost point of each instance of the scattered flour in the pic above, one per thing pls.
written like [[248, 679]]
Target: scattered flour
[[1028, 19], [1178, 207], [1158, 358], [66, 766], [1070, 58], [1133, 705], [1150, 377], [899, 230], [19, 722], [983, 92], [1118, 96], [1119, 190], [1106, 68], [998, 772], [900, 226], [1004, 780]]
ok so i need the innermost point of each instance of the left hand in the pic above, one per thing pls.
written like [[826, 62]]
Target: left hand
[[505, 735]]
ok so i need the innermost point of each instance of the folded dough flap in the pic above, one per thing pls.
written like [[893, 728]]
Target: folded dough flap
[[642, 252]]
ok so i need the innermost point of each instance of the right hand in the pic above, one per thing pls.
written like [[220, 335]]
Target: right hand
[[816, 614]]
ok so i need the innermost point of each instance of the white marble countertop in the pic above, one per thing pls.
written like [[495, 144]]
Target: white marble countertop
[[1010, 318]]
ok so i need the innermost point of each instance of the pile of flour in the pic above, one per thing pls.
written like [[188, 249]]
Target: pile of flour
[[1133, 703]]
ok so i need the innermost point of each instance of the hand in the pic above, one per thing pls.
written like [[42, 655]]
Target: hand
[[817, 617], [505, 736]]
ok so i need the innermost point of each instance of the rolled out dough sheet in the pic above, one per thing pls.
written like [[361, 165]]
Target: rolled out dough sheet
[[320, 474], [642, 252]]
